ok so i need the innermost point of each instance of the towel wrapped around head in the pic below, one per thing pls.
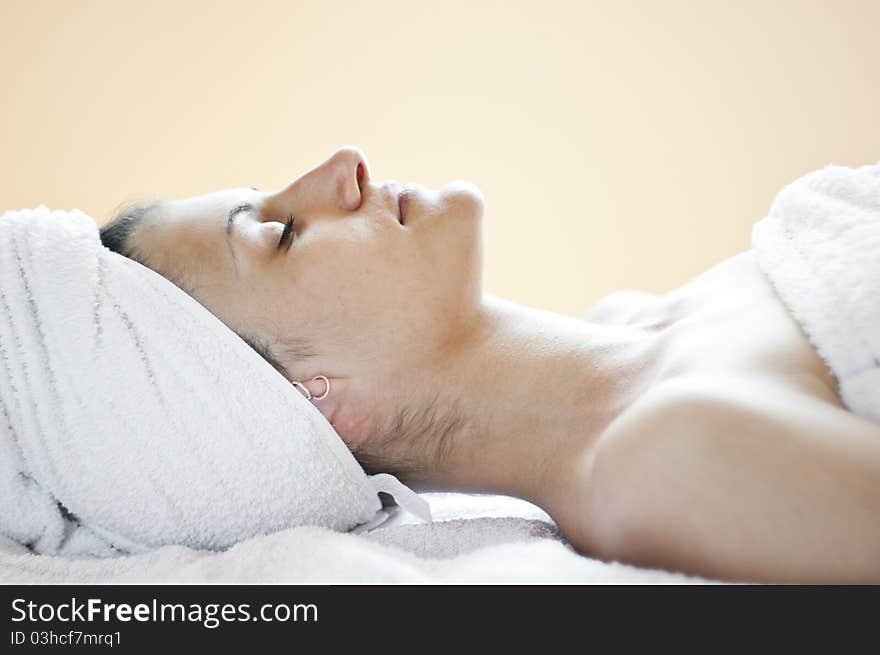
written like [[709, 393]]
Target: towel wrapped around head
[[820, 247], [131, 417]]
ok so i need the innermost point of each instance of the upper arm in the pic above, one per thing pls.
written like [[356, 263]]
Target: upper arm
[[741, 480]]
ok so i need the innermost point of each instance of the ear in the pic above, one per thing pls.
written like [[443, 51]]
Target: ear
[[350, 410]]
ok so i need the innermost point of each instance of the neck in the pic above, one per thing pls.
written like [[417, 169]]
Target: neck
[[535, 390]]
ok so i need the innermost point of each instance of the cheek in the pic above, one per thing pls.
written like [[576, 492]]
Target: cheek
[[342, 299], [371, 312], [387, 303]]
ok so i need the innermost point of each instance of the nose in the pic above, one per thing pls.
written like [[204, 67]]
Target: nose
[[332, 187]]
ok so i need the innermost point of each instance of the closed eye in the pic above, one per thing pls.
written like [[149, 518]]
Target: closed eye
[[287, 233]]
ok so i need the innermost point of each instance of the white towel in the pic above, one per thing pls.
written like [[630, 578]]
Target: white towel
[[131, 417], [820, 247]]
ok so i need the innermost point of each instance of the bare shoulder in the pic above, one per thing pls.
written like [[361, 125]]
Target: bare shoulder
[[735, 478], [738, 407], [686, 433]]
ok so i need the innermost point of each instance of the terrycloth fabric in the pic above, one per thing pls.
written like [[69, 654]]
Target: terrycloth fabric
[[820, 247], [131, 417], [473, 540]]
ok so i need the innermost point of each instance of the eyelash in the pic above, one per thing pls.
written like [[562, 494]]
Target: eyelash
[[288, 231]]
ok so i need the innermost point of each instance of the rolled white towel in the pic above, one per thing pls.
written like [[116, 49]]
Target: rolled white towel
[[820, 247], [131, 417]]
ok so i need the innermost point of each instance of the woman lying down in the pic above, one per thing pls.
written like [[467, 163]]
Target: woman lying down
[[698, 431]]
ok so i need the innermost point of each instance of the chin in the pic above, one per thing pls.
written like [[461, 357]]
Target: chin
[[463, 237], [466, 196]]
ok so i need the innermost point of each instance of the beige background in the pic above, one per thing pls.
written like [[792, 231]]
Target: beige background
[[618, 144]]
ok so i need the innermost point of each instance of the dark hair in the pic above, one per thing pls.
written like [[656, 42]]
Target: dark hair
[[429, 432], [117, 234]]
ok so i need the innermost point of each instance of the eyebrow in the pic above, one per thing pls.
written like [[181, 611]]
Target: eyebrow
[[230, 218]]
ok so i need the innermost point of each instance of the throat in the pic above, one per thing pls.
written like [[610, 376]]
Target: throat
[[536, 389]]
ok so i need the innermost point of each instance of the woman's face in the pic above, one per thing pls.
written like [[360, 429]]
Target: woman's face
[[364, 291]]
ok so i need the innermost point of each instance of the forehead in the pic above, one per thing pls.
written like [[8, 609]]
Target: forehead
[[205, 211], [198, 221]]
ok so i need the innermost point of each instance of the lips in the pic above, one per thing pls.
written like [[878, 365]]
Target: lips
[[402, 202]]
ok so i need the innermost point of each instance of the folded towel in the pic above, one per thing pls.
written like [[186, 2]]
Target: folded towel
[[820, 247], [133, 418]]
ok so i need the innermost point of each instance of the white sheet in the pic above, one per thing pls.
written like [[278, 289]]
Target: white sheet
[[473, 540]]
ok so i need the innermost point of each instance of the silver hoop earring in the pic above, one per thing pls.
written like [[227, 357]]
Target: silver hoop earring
[[299, 384], [327, 390], [308, 393]]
